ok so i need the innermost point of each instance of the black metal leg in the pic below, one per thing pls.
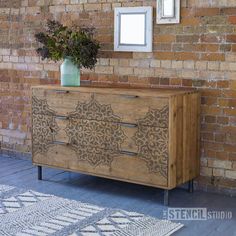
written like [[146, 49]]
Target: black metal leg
[[166, 197], [39, 172], [190, 186]]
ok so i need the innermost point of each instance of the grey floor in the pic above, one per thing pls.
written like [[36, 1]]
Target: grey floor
[[115, 194]]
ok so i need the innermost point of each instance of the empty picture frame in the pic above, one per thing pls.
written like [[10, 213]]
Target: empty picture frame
[[133, 29], [168, 11]]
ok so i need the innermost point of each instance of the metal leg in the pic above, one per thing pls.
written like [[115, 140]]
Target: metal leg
[[39, 172], [190, 186], [166, 197]]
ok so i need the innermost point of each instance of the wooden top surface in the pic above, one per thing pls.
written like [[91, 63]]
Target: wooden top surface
[[152, 92]]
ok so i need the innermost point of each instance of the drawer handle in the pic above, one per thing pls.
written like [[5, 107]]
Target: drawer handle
[[60, 143], [51, 129], [62, 91], [62, 117], [133, 154], [129, 125], [129, 96]]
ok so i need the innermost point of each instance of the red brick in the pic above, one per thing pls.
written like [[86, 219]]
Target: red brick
[[176, 81], [183, 56], [229, 148], [232, 19], [164, 55], [207, 136], [230, 111], [187, 38], [187, 83], [164, 81], [190, 21], [213, 57], [210, 110], [207, 11], [223, 120], [229, 93], [233, 84], [186, 12], [232, 156], [112, 54], [220, 137], [209, 38], [221, 155], [231, 38], [154, 80], [234, 48], [209, 101], [164, 38], [210, 119], [212, 47], [223, 84], [228, 11]]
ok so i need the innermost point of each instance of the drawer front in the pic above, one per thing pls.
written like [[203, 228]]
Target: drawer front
[[97, 141], [93, 133], [106, 107], [147, 142], [99, 129], [61, 102], [121, 166]]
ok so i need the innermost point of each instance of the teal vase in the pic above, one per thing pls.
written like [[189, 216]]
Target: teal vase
[[70, 73]]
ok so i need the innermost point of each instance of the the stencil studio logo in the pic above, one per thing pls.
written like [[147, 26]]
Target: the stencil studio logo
[[195, 214]]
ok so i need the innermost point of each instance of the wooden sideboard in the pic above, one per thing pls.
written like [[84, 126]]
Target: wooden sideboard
[[144, 136]]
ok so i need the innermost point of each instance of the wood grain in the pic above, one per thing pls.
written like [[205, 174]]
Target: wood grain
[[142, 136], [129, 108], [131, 169]]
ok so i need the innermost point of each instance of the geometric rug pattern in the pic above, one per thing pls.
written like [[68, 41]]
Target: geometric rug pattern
[[29, 213]]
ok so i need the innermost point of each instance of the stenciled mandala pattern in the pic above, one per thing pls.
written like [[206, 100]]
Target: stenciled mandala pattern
[[152, 140], [156, 117], [95, 132], [93, 110], [44, 125]]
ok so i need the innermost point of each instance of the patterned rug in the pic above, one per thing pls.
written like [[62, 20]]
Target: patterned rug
[[30, 213]]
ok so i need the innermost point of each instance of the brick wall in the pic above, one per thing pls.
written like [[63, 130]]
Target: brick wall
[[200, 52]]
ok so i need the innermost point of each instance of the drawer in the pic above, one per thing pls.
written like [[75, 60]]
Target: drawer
[[113, 165], [153, 111], [108, 135], [92, 138], [94, 133], [59, 102]]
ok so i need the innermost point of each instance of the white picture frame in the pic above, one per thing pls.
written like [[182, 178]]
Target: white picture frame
[[133, 28], [168, 12]]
